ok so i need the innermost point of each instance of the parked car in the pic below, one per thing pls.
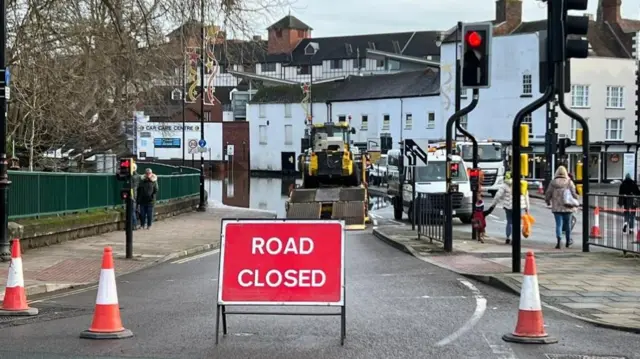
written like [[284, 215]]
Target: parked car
[[378, 172]]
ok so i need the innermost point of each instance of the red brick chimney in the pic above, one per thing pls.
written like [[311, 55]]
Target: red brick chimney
[[509, 12], [609, 11]]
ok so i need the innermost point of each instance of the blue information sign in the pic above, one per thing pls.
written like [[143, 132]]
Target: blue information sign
[[202, 143], [166, 143], [7, 76]]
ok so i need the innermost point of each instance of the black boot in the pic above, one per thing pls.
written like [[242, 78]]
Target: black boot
[[569, 243], [558, 244]]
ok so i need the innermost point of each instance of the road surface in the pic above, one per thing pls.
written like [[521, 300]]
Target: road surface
[[397, 307]]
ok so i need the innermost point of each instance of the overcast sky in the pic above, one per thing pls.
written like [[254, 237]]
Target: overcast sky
[[351, 17]]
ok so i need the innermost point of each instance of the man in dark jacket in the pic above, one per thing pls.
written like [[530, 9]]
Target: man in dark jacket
[[627, 200], [146, 197]]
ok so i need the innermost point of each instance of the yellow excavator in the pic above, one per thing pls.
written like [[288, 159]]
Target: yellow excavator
[[333, 178]]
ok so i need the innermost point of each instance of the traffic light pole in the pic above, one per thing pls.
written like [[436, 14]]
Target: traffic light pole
[[128, 209], [458, 95], [550, 140], [5, 183], [448, 211]]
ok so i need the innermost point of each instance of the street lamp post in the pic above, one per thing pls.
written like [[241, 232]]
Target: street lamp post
[[311, 50], [202, 205], [5, 251]]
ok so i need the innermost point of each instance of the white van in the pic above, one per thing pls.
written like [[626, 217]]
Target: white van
[[430, 178]]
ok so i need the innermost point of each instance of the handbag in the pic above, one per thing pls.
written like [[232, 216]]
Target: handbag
[[568, 199]]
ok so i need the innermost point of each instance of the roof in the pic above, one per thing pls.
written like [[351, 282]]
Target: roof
[[289, 22], [607, 40], [359, 88], [414, 43]]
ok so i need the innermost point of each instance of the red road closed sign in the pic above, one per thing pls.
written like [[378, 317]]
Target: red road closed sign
[[281, 262]]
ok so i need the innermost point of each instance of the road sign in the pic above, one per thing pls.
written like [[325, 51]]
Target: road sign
[[193, 143], [193, 151], [7, 76], [202, 143], [230, 149], [142, 156], [282, 262]]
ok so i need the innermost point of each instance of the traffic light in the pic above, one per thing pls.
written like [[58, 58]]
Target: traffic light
[[562, 146], [125, 193], [125, 169], [455, 170], [565, 26], [476, 55], [474, 179]]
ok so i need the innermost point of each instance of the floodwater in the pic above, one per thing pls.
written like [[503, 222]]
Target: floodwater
[[240, 189]]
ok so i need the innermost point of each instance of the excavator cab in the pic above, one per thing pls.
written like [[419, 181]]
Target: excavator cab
[[332, 178]]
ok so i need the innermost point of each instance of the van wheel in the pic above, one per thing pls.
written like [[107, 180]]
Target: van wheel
[[397, 209], [465, 219]]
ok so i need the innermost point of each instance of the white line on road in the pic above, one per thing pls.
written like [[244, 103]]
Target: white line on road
[[193, 258], [481, 306], [502, 351], [65, 294]]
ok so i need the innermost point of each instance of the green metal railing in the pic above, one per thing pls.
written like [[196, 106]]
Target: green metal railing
[[34, 194], [163, 169]]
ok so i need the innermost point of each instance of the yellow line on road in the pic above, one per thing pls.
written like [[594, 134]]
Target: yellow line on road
[[193, 258]]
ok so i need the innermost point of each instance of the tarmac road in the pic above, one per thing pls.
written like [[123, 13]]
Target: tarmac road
[[397, 307]]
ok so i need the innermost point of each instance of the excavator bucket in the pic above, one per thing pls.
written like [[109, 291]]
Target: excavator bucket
[[348, 204]]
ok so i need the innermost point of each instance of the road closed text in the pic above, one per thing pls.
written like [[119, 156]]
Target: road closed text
[[274, 277], [282, 261]]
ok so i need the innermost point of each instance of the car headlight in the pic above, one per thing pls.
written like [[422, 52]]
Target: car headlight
[[468, 194], [501, 171]]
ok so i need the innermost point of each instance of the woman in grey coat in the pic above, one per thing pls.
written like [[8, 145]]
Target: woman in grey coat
[[561, 212]]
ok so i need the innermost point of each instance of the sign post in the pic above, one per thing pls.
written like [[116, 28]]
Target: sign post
[[280, 262]]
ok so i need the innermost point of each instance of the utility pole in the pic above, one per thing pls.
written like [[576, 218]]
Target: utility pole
[[183, 85], [5, 250], [202, 205]]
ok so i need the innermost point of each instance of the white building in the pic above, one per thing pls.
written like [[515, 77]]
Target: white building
[[403, 105], [603, 88]]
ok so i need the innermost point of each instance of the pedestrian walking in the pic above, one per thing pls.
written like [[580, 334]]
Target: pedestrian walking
[[628, 189], [147, 191], [504, 198], [561, 195]]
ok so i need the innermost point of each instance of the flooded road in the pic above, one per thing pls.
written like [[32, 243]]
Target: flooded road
[[240, 189]]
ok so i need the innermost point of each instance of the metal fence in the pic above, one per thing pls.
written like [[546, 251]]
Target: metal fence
[[430, 219], [164, 169], [614, 222], [34, 194]]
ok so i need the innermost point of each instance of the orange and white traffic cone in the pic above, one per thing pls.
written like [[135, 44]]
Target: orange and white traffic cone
[[530, 326], [15, 297], [540, 188], [106, 317], [595, 229]]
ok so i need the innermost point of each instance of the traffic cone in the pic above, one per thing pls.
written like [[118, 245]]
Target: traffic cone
[[15, 297], [106, 317], [540, 188], [530, 326], [595, 229]]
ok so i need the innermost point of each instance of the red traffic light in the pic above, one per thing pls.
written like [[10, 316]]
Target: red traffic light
[[474, 39], [125, 163]]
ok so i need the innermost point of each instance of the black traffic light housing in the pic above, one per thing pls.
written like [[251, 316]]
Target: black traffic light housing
[[125, 193], [455, 169], [563, 143], [476, 55], [564, 25], [474, 179], [125, 169]]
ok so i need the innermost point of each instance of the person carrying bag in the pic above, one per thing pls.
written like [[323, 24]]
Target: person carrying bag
[[561, 195]]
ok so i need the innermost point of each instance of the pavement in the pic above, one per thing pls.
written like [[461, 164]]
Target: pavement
[[77, 263], [397, 307], [598, 287]]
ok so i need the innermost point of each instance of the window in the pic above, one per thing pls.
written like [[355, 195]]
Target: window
[[365, 123], [288, 134], [379, 63], [464, 122], [574, 126], [393, 65], [579, 96], [287, 110], [304, 70], [268, 67], [385, 123], [336, 64], [262, 110], [360, 63], [431, 120], [342, 118], [408, 122], [614, 129], [615, 97], [263, 134], [527, 84], [301, 33], [528, 121], [207, 116]]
